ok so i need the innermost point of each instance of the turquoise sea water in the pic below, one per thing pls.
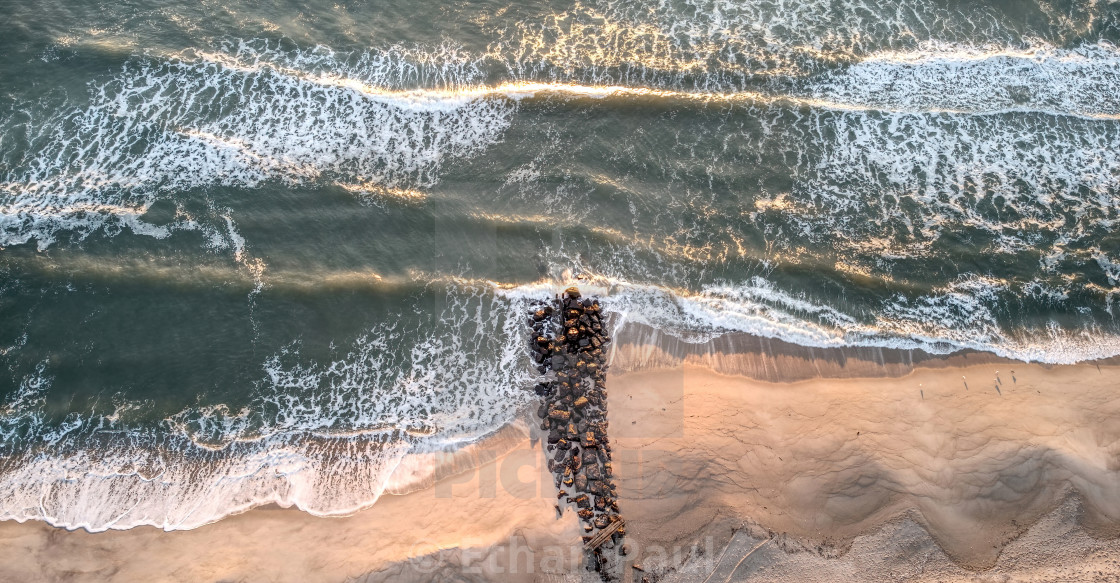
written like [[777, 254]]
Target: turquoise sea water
[[259, 251]]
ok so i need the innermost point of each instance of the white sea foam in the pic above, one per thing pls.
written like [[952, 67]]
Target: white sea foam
[[938, 76], [884, 186], [962, 315], [239, 117], [326, 437]]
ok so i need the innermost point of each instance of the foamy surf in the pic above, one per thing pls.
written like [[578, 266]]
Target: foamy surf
[[235, 119]]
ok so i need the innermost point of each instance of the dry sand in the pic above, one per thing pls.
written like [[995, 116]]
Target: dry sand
[[913, 476], [818, 463]]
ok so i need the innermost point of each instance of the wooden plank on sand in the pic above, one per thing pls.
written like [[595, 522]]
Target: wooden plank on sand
[[602, 536]]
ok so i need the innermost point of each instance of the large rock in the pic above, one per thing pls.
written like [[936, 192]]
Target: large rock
[[559, 414]]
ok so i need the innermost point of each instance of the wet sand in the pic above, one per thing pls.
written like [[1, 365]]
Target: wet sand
[[938, 469]]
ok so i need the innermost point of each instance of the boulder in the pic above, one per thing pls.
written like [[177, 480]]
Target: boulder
[[572, 292], [593, 472], [559, 414], [589, 440], [580, 403]]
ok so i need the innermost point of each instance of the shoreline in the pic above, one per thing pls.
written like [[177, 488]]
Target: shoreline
[[810, 468]]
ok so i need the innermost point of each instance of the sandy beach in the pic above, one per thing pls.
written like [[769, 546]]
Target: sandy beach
[[949, 469]]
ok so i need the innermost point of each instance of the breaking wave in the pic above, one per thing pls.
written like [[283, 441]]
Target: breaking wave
[[238, 117]]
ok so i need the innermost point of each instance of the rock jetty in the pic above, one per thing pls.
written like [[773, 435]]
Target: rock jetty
[[567, 344]]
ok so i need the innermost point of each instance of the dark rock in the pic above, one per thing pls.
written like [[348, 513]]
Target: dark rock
[[553, 436], [572, 292], [585, 513], [582, 501], [580, 483], [598, 488], [588, 439], [592, 470]]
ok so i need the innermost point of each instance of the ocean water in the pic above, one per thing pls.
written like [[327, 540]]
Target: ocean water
[[258, 252]]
